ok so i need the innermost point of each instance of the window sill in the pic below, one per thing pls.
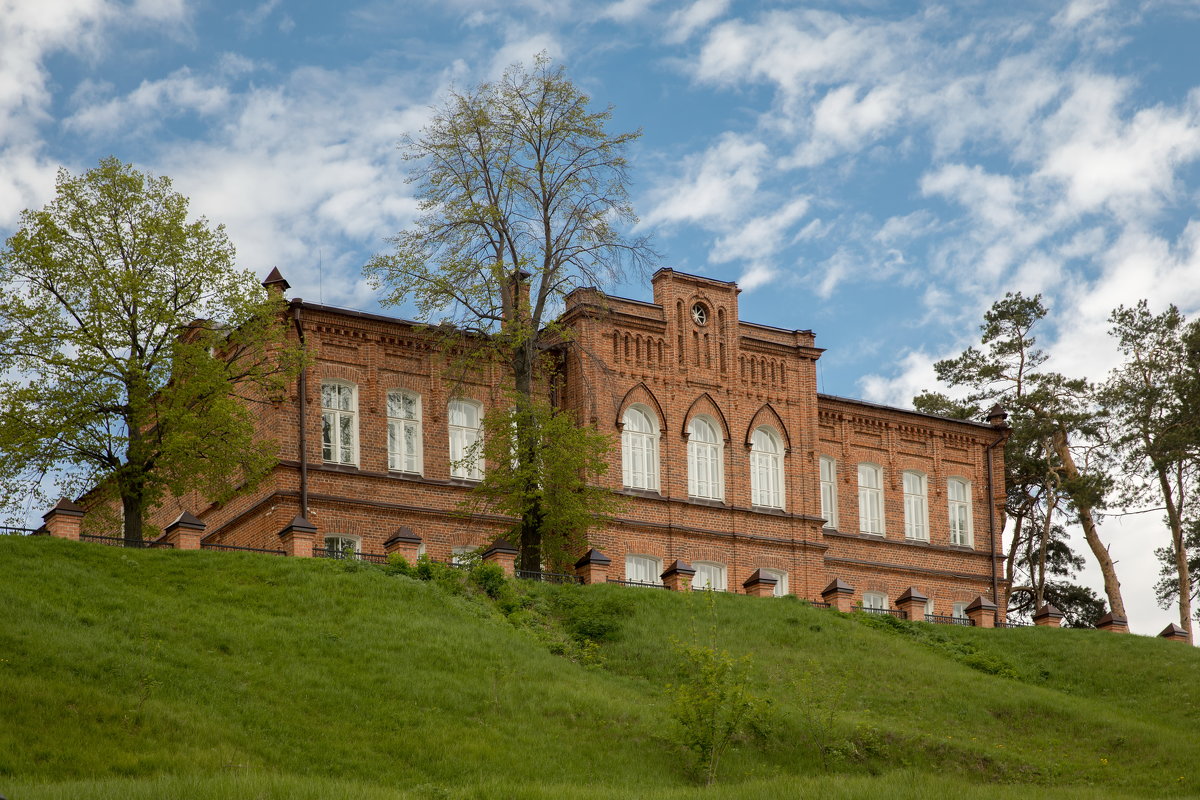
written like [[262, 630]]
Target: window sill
[[775, 510], [337, 465], [912, 540], [469, 482], [635, 492], [707, 501]]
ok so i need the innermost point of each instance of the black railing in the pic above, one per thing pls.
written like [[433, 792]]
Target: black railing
[[893, 612], [215, 546], [548, 577], [1013, 624], [638, 584], [818, 603], [8, 530], [943, 619], [326, 552], [121, 541]]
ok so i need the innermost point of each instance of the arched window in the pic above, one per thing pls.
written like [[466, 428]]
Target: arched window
[[916, 507], [874, 601], [829, 506], [766, 469], [466, 426], [340, 545], [639, 449], [705, 467], [870, 499], [709, 575], [781, 580], [339, 422], [958, 492], [404, 432], [643, 569]]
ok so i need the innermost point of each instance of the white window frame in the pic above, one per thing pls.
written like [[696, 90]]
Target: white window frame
[[641, 568], [398, 427], [870, 499], [916, 505], [829, 505], [344, 539], [959, 610], [335, 419], [462, 438], [781, 579], [710, 575], [639, 448], [876, 600], [929, 612], [706, 459], [766, 468], [962, 532], [458, 551]]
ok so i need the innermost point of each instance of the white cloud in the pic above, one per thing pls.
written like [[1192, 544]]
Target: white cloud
[[626, 10], [760, 237], [686, 21], [717, 184], [153, 101]]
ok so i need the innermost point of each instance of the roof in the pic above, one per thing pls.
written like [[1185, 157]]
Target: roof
[[881, 407]]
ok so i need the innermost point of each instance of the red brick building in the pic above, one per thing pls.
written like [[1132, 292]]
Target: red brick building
[[733, 462]]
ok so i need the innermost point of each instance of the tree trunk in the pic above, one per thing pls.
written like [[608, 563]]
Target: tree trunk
[[530, 536], [1040, 587], [1182, 571], [1014, 546], [1112, 586], [132, 525]]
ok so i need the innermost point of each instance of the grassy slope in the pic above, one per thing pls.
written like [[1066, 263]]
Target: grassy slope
[[161, 674]]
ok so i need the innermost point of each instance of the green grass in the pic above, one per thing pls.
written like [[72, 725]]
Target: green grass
[[148, 674]]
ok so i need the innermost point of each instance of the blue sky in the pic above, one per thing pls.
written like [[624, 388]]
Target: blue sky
[[878, 172]]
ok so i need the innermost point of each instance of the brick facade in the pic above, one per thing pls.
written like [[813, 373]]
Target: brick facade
[[738, 376]]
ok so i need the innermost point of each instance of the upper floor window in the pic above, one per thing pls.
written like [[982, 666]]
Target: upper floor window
[[916, 507], [766, 469], [404, 431], [870, 498], [958, 491], [339, 422], [829, 509], [709, 575], [643, 569], [781, 580], [639, 449], [705, 467], [466, 426]]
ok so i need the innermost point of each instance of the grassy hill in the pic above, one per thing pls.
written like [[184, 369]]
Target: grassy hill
[[148, 674]]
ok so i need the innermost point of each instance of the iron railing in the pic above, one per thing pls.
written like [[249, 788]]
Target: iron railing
[[638, 584], [8, 530], [325, 552], [215, 546], [943, 619], [547, 577], [818, 603], [121, 541], [1013, 624], [893, 612]]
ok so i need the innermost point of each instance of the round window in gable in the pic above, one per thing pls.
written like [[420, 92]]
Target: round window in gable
[[700, 314]]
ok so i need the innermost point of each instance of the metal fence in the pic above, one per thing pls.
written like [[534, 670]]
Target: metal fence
[[892, 612], [943, 619], [121, 541], [215, 546], [8, 530], [548, 577], [818, 603], [1013, 624], [372, 558], [638, 584]]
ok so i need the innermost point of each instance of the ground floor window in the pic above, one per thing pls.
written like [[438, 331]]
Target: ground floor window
[[643, 569], [781, 581], [709, 575], [876, 601], [339, 546]]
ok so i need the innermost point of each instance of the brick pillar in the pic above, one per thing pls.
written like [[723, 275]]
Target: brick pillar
[[912, 603], [593, 567], [1113, 624], [1174, 633], [502, 553], [404, 542], [678, 576], [185, 532], [839, 595], [759, 584], [298, 537], [982, 612], [63, 521], [1048, 616]]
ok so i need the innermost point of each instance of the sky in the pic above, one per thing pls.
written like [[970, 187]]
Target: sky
[[878, 172]]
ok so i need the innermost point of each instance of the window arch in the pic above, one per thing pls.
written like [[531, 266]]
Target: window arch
[[639, 448], [705, 460], [958, 493], [916, 506], [339, 422], [870, 499], [766, 468], [405, 451], [465, 421]]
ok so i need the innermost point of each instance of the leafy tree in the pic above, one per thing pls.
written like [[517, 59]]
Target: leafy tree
[[1155, 427], [129, 347], [1050, 456], [543, 469], [524, 196]]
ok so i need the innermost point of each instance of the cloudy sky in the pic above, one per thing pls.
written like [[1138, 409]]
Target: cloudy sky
[[877, 171]]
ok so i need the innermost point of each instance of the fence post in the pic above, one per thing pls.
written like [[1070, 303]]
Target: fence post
[[760, 584], [912, 603], [185, 532], [64, 520], [404, 542], [593, 567], [1048, 616], [503, 553], [678, 576], [1113, 624], [982, 612], [839, 595], [298, 537]]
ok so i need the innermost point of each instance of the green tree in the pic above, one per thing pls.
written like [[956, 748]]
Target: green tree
[[524, 198], [1051, 455], [1155, 427], [551, 486], [130, 349]]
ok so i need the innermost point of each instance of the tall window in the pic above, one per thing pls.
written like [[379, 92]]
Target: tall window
[[639, 449], [870, 498], [781, 581], [959, 494], [404, 431], [766, 469], [916, 507], [829, 509], [875, 601], [339, 423], [643, 569], [465, 423], [709, 575], [704, 460], [959, 611]]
